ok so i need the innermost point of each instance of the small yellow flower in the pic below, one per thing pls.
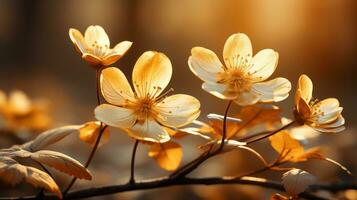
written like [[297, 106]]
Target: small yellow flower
[[95, 46], [323, 116], [144, 112], [241, 78], [90, 132]]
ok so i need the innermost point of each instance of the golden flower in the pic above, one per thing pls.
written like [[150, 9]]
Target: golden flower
[[19, 113], [95, 46], [144, 112], [241, 78], [90, 132], [323, 116]]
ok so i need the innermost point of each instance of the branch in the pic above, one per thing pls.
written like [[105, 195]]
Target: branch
[[166, 182]]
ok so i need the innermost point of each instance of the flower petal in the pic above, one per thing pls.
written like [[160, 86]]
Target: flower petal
[[115, 116], [237, 45], [151, 74], [92, 59], [116, 53], [330, 130], [247, 98], [78, 40], [96, 35], [122, 47], [273, 91], [178, 110], [263, 64], [329, 109], [219, 90], [205, 64], [302, 106], [306, 87], [340, 121], [150, 131], [115, 87]]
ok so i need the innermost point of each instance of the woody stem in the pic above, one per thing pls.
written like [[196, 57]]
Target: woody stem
[[132, 166]]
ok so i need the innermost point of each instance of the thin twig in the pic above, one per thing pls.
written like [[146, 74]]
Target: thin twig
[[188, 168], [132, 166], [166, 182], [272, 133]]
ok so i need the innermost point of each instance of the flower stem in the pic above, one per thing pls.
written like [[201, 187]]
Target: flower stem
[[272, 133], [189, 167], [101, 131], [132, 166], [224, 129]]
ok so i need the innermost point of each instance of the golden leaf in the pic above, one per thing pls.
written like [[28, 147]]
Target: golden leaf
[[254, 118], [288, 148], [291, 150], [13, 173], [49, 137], [167, 155], [90, 132], [62, 163]]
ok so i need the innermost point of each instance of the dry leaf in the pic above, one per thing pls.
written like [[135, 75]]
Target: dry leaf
[[62, 163], [13, 173], [167, 155], [288, 148], [49, 137], [291, 150], [90, 132], [255, 119], [297, 181]]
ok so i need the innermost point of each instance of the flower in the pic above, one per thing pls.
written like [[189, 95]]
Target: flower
[[323, 116], [90, 132], [144, 112], [241, 78], [95, 46], [19, 113]]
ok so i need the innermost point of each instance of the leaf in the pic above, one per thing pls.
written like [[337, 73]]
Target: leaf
[[13, 173], [167, 155], [254, 119], [49, 137], [297, 181], [62, 163], [291, 150], [90, 132], [288, 148], [39, 178]]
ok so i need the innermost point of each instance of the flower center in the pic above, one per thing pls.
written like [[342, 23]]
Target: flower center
[[98, 49], [144, 109], [235, 79]]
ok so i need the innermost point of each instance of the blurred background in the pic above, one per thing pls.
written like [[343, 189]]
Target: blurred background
[[317, 38]]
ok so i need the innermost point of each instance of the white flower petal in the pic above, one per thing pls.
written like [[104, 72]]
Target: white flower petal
[[306, 87], [297, 181], [178, 110], [247, 98], [263, 64], [340, 121], [115, 116], [218, 90], [78, 40], [150, 131], [151, 74], [237, 45], [205, 64], [96, 34], [329, 109], [274, 90], [115, 87], [329, 130], [122, 47]]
